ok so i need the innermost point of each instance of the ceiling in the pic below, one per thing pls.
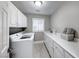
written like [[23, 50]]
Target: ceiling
[[47, 8]]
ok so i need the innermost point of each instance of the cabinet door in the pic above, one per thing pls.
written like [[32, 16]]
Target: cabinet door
[[13, 15], [0, 30], [67, 55], [58, 51], [24, 21], [20, 19], [4, 32], [5, 26], [49, 45]]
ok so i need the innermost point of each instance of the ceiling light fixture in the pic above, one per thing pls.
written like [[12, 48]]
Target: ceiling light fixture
[[38, 3]]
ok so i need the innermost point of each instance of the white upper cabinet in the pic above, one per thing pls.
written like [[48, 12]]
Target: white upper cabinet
[[13, 15], [17, 18], [24, 21], [20, 19]]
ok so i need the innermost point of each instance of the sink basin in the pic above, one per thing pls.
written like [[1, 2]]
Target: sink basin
[[25, 36]]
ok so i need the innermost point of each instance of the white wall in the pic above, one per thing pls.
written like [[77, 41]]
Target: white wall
[[66, 16], [29, 21]]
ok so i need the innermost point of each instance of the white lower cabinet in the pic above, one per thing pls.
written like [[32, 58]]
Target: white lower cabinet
[[49, 45], [67, 55], [54, 49], [58, 51]]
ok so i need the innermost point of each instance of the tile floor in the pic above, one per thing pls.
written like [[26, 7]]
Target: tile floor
[[39, 50]]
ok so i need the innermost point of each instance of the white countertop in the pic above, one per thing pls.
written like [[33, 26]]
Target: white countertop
[[17, 36], [70, 46]]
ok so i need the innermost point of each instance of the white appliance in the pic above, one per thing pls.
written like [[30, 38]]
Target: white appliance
[[22, 45]]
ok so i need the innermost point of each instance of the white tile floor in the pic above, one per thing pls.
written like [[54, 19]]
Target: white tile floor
[[39, 50]]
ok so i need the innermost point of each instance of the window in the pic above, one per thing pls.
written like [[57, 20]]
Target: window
[[37, 24]]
